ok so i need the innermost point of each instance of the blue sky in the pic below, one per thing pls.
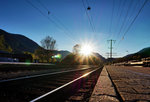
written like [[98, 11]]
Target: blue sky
[[18, 16]]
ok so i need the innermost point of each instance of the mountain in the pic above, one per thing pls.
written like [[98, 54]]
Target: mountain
[[16, 43], [63, 53], [145, 52], [99, 56], [93, 59]]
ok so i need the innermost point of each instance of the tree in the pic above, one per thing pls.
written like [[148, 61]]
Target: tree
[[39, 54], [48, 45], [76, 49]]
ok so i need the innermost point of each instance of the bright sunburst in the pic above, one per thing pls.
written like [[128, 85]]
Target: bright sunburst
[[86, 49]]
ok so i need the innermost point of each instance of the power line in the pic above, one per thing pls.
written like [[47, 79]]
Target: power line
[[133, 20], [90, 14], [120, 14], [135, 6], [37, 8], [125, 18], [132, 12], [87, 2], [54, 17], [120, 3], [90, 22], [59, 27], [43, 5], [112, 16]]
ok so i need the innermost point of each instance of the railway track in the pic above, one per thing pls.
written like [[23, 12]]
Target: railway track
[[57, 87]]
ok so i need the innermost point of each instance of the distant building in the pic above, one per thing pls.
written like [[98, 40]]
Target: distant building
[[9, 57]]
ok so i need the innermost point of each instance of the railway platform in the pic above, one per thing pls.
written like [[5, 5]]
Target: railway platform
[[124, 84]]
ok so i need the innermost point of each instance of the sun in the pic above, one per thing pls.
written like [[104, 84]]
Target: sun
[[86, 49]]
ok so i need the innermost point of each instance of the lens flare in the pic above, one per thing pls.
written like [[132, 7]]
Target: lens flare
[[86, 49]]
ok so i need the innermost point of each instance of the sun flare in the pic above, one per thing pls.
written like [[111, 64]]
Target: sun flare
[[86, 49]]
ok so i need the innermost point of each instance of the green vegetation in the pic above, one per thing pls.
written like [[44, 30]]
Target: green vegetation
[[77, 59], [45, 53], [3, 45]]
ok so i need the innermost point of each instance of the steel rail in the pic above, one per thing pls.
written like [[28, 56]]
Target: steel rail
[[33, 76], [50, 92]]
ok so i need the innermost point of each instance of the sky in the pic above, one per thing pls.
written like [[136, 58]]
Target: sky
[[68, 23]]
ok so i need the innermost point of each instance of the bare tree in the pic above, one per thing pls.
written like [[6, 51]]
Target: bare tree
[[76, 49], [49, 44]]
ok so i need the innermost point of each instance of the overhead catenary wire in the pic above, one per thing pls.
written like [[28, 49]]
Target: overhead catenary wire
[[52, 21], [54, 17], [139, 11], [125, 18], [89, 19], [134, 8], [131, 16], [120, 3], [111, 20], [90, 14], [43, 5], [120, 11], [135, 18], [87, 2]]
